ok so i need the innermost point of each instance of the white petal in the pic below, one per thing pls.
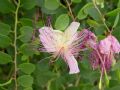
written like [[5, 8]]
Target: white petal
[[72, 63], [72, 29], [47, 39]]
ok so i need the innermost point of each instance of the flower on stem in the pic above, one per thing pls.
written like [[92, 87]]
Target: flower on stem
[[66, 44], [103, 54]]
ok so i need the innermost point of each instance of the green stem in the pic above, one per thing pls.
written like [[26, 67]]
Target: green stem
[[77, 80], [70, 10], [102, 17], [15, 44], [3, 88]]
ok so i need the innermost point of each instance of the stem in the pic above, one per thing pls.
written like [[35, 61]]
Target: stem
[[77, 80], [15, 44], [70, 10], [102, 17], [103, 70]]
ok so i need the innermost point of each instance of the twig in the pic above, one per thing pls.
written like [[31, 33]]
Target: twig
[[102, 17], [70, 10], [77, 80], [15, 44]]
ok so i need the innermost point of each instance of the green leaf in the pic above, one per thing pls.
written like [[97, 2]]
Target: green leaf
[[25, 80], [5, 58], [6, 6], [5, 41], [92, 12], [42, 73], [82, 14], [116, 66], [113, 12], [28, 4], [101, 37], [73, 88], [100, 29], [116, 21], [28, 88], [62, 22], [58, 10], [40, 3], [116, 32], [27, 68], [76, 1], [51, 4], [24, 57], [27, 49], [4, 28], [118, 5], [26, 22], [117, 87], [92, 23], [26, 33]]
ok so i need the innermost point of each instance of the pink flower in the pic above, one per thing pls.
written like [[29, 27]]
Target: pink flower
[[115, 45], [99, 60], [103, 54], [90, 40], [65, 44], [109, 44]]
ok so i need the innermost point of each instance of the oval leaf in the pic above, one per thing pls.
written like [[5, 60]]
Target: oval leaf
[[27, 49], [4, 29], [25, 80], [28, 88], [62, 22], [26, 33], [76, 1], [116, 21], [27, 68], [6, 6], [82, 14], [5, 58], [4, 41], [28, 4], [51, 4]]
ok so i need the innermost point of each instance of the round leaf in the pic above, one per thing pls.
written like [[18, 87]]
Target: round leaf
[[28, 88], [76, 1], [4, 41], [51, 4], [62, 22], [82, 14], [28, 4], [6, 6], [27, 68], [25, 80], [27, 49], [26, 33], [5, 58], [4, 29]]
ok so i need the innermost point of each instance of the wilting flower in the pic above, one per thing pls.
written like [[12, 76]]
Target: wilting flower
[[103, 54], [109, 44], [66, 44]]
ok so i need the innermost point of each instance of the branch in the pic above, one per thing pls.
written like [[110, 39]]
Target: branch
[[70, 10], [15, 44]]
